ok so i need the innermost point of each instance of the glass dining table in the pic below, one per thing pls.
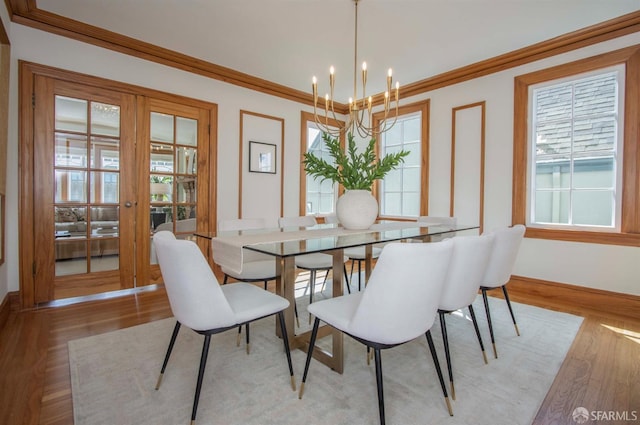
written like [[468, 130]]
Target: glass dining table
[[229, 248]]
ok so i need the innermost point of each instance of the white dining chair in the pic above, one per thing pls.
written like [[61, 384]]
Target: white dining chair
[[398, 305], [503, 256], [259, 267], [199, 302], [356, 255], [466, 270], [314, 262]]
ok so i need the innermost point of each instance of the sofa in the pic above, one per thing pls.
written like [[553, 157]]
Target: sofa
[[71, 230]]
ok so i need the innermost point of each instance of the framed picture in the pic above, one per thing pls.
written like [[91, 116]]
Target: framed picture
[[262, 157]]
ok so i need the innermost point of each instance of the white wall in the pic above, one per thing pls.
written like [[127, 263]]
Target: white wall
[[612, 268], [599, 266]]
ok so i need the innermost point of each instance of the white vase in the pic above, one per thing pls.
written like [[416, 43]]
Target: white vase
[[357, 209]]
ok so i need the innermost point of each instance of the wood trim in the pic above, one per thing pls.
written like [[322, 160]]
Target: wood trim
[[483, 125], [580, 298], [241, 156], [25, 12], [630, 234]]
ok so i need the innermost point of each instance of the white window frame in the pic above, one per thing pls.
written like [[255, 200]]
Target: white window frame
[[617, 152], [410, 116]]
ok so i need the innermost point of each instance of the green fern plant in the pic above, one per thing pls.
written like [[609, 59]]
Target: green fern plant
[[352, 170]]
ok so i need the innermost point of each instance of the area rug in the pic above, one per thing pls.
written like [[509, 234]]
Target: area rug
[[113, 376]]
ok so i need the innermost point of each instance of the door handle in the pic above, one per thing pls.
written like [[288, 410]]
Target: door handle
[[127, 204]]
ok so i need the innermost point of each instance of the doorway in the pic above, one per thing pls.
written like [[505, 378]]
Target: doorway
[[103, 169]]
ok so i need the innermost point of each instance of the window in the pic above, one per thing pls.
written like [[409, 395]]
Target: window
[[400, 189], [576, 163], [318, 197], [404, 191], [575, 167]]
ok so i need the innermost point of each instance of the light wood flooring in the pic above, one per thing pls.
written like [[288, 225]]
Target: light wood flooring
[[600, 373]]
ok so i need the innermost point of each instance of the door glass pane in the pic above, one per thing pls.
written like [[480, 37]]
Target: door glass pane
[[161, 127], [70, 114], [105, 119], [105, 153], [187, 131], [71, 257], [186, 189], [86, 234], [104, 255], [161, 158], [187, 160], [70, 150], [105, 187]]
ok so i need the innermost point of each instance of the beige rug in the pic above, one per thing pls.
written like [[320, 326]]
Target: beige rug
[[113, 376]]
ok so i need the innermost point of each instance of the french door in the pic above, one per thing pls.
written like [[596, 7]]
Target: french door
[[84, 191], [102, 170]]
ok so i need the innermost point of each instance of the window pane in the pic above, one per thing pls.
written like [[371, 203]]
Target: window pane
[[392, 204], [594, 134], [70, 150], [186, 131], [105, 187], [71, 114], [552, 207], [576, 136], [187, 160], [593, 208], [161, 127], [553, 174], [186, 189], [393, 181], [105, 119], [76, 254], [594, 173], [162, 158], [411, 204], [553, 103], [77, 186], [105, 153], [412, 130], [411, 180]]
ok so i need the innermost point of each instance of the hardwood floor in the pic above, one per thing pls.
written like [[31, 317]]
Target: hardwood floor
[[600, 373]]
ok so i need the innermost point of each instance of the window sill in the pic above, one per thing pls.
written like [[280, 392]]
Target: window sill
[[625, 239]]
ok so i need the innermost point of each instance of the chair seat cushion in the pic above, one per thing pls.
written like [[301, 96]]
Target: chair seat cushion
[[336, 312], [249, 302], [254, 270], [316, 261], [357, 253]]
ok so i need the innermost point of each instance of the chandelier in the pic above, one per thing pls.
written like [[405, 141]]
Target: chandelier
[[360, 109]]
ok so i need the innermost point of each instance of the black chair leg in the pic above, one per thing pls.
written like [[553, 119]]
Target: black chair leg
[[247, 336], [378, 360], [486, 309], [447, 353], [312, 285], [265, 285], [359, 275], [436, 362], [203, 364], [475, 326], [312, 343], [513, 317], [225, 280], [287, 349], [172, 341]]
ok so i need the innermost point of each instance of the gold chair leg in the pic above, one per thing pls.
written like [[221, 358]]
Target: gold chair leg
[[159, 381], [446, 399], [301, 392]]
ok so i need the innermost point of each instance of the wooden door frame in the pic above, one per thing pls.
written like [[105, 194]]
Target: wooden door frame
[[26, 137]]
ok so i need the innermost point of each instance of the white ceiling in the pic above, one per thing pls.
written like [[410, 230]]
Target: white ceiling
[[289, 41]]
